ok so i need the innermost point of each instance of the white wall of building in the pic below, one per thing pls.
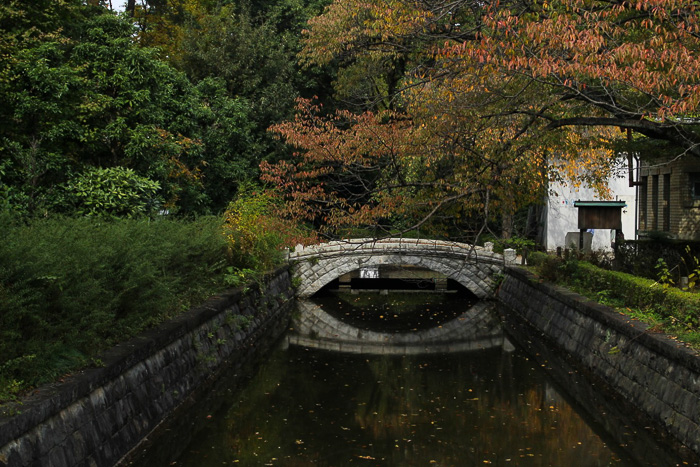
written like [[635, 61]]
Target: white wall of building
[[561, 216]]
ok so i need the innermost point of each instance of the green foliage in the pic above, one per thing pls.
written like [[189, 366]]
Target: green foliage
[[256, 65], [89, 97], [256, 235], [641, 257], [678, 308], [10, 388], [70, 288], [237, 277], [663, 274], [96, 124], [250, 239], [678, 311], [81, 91], [693, 267], [112, 192], [519, 244], [242, 321], [226, 131], [537, 258]]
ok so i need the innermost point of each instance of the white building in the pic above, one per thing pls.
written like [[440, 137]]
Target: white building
[[561, 217]]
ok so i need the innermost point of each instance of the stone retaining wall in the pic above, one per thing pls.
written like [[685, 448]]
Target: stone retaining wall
[[97, 416], [653, 373]]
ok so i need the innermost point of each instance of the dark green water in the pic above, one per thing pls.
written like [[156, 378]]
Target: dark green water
[[307, 407]]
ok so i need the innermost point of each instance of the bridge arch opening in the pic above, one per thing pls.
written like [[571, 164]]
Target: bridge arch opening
[[394, 279], [394, 299]]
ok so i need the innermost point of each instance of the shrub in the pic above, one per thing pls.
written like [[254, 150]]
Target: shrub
[[519, 244], [549, 268], [70, 288], [641, 257], [256, 235], [636, 292], [676, 307], [111, 192], [537, 258]]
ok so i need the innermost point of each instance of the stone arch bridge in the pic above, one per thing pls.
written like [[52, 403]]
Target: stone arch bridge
[[472, 266]]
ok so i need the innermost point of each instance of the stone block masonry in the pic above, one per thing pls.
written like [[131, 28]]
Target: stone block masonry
[[472, 266], [477, 328], [650, 372], [97, 416]]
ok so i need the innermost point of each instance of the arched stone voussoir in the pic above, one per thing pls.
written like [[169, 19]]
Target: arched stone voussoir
[[317, 265]]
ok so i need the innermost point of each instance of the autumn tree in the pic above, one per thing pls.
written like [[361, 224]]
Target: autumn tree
[[631, 64], [474, 141], [624, 64], [346, 162]]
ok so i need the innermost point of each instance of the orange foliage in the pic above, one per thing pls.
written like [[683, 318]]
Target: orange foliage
[[339, 156], [497, 100], [631, 64], [644, 51]]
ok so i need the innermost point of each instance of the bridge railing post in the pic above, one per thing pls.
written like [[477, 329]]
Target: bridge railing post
[[509, 255]]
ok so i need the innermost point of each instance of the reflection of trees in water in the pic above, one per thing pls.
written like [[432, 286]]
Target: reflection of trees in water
[[490, 419]]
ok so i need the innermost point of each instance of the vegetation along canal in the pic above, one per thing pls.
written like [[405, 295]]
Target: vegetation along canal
[[308, 406]]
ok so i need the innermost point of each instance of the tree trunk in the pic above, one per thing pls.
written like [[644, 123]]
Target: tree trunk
[[507, 225]]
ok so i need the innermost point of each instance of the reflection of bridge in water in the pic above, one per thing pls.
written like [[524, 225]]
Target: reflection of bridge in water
[[477, 328]]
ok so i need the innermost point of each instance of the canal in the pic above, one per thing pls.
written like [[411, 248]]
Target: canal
[[495, 405]]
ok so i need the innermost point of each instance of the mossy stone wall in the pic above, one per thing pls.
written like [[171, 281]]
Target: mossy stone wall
[[649, 371], [97, 416]]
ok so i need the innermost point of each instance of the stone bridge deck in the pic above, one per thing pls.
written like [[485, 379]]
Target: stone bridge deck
[[472, 266]]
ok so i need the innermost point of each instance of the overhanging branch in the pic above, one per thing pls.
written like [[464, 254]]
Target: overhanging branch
[[642, 126]]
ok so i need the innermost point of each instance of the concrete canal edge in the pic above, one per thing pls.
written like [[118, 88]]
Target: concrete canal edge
[[97, 416], [649, 371]]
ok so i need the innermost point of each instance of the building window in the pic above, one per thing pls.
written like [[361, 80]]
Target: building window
[[694, 179], [643, 204], [655, 202], [667, 203]]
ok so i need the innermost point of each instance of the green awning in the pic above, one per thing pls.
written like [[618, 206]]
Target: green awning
[[600, 204]]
